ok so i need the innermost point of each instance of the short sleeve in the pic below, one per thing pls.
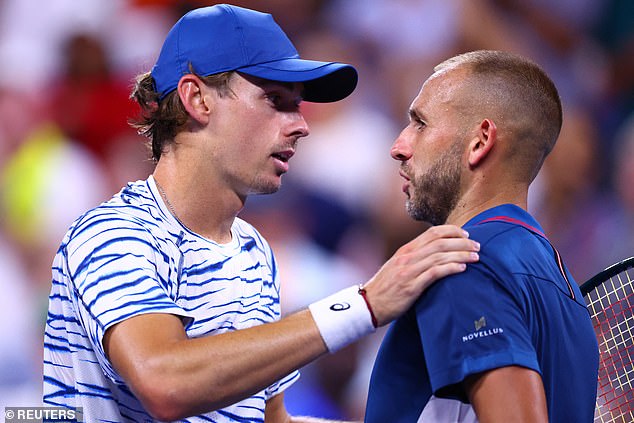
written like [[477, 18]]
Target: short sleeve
[[469, 323], [281, 385], [116, 271]]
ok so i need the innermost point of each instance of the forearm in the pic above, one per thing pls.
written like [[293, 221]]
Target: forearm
[[243, 362], [185, 377]]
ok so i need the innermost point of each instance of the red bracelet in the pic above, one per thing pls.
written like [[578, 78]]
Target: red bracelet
[[363, 293]]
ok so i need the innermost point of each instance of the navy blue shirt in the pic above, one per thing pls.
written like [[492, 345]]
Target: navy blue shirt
[[517, 306]]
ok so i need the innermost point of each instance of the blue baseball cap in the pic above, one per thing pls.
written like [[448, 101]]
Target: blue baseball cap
[[224, 38]]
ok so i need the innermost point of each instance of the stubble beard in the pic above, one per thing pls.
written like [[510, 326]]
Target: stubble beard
[[264, 183], [262, 186], [434, 195]]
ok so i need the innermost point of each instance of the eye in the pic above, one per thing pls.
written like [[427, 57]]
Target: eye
[[283, 102], [416, 121], [418, 124], [274, 99]]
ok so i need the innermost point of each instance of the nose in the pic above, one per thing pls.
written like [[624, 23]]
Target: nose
[[401, 149], [299, 126]]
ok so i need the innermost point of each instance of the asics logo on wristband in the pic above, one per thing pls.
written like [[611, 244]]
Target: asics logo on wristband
[[339, 329], [340, 306]]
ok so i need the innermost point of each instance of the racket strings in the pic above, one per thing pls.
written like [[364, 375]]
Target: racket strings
[[611, 306]]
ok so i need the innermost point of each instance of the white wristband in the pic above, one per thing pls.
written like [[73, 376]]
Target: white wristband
[[342, 318]]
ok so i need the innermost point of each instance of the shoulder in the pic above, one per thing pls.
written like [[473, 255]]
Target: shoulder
[[129, 217], [498, 233], [134, 207], [506, 250], [505, 243], [506, 226], [248, 235]]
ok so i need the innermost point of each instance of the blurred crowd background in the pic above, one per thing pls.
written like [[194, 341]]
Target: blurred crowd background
[[65, 146]]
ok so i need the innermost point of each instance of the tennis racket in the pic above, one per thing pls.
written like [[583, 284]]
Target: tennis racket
[[610, 299]]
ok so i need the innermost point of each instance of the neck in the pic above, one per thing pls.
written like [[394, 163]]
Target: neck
[[201, 206], [475, 202]]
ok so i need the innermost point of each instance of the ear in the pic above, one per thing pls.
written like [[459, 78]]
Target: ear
[[482, 144], [192, 92]]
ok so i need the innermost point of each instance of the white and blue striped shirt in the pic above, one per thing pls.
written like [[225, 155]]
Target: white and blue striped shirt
[[130, 256]]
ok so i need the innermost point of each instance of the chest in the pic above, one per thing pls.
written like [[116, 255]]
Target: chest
[[224, 290]]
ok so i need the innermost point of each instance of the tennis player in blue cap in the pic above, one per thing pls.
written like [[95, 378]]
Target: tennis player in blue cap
[[164, 304]]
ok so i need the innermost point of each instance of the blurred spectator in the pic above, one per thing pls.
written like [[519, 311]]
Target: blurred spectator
[[567, 200], [557, 35], [46, 184], [31, 32], [615, 32], [87, 102], [618, 232], [401, 39], [91, 105]]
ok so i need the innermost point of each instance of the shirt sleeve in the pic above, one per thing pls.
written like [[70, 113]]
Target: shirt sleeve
[[469, 323], [281, 385], [116, 269]]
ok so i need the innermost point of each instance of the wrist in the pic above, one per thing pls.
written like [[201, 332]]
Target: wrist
[[364, 295], [343, 317]]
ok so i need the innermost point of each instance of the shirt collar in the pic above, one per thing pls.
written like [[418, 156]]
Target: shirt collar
[[508, 213]]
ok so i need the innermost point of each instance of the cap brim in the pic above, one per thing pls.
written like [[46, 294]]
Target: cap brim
[[324, 82]]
